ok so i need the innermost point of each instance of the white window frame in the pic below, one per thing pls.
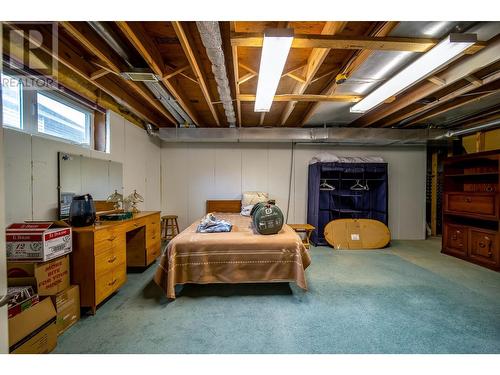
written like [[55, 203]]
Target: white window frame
[[29, 112], [70, 103]]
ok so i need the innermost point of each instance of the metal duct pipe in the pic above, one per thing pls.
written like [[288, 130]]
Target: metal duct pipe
[[339, 136], [212, 40], [161, 93], [488, 125]]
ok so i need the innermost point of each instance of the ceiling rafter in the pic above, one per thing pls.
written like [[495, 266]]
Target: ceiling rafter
[[193, 62], [314, 62], [451, 74], [234, 54], [455, 94], [76, 63], [103, 52], [380, 43], [142, 42], [458, 101], [352, 64]]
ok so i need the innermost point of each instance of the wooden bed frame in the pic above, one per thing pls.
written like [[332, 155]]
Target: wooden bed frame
[[224, 205]]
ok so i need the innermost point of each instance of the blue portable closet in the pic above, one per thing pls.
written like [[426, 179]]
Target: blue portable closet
[[358, 190]]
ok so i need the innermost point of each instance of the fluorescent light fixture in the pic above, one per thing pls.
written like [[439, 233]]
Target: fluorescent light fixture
[[277, 43], [445, 51]]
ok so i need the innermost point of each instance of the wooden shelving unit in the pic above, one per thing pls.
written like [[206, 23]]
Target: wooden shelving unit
[[471, 208]]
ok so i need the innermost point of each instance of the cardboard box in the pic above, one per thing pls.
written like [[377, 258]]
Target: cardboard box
[[67, 305], [38, 241], [34, 330], [21, 298], [49, 277]]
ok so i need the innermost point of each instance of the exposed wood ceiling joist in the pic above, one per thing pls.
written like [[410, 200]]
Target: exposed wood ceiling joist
[[142, 42], [193, 62], [443, 99], [483, 92], [453, 73], [314, 62], [84, 35], [72, 72], [380, 43], [351, 66]]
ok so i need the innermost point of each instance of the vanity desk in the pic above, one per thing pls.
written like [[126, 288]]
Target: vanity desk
[[103, 251]]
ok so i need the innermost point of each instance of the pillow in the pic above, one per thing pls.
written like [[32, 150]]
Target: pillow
[[253, 197], [245, 211]]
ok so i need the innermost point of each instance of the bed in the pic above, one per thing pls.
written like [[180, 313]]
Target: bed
[[239, 256]]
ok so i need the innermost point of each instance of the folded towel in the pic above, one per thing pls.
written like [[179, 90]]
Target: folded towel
[[210, 224]]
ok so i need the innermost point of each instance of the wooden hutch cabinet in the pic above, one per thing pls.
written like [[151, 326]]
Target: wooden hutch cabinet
[[471, 208]]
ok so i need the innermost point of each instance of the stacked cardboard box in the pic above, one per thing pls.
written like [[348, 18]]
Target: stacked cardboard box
[[38, 260]]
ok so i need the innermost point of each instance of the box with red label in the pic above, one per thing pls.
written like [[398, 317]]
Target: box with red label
[[39, 241], [49, 278], [20, 299]]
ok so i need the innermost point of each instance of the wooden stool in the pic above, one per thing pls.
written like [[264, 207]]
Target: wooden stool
[[304, 228], [169, 227]]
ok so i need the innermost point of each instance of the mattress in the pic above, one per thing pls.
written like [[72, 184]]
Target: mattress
[[239, 256]]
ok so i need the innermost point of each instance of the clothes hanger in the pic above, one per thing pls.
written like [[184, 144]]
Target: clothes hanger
[[357, 186], [325, 186], [366, 187]]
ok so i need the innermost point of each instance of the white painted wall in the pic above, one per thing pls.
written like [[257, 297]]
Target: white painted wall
[[195, 172], [31, 167]]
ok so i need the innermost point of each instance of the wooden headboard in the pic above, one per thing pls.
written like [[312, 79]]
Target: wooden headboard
[[227, 205]]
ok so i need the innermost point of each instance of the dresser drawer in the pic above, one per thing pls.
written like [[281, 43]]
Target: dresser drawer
[[480, 204], [135, 224], [455, 239], [108, 260], [484, 246], [109, 282], [117, 242]]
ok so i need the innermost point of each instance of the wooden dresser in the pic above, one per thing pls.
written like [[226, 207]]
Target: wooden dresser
[[471, 208], [102, 252]]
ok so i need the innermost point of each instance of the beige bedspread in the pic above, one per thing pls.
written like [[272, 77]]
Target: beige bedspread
[[239, 256]]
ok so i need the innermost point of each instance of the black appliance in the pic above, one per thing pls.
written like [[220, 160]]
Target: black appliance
[[82, 211]]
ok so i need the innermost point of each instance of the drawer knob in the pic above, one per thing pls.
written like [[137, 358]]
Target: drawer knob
[[112, 282], [111, 260], [112, 238], [468, 199]]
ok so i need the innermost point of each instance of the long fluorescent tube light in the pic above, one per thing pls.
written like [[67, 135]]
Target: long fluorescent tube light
[[275, 48], [445, 51]]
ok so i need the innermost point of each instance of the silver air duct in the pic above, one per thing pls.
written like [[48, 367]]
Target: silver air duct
[[212, 40], [337, 136]]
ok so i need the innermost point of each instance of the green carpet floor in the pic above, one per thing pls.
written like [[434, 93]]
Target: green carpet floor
[[408, 298]]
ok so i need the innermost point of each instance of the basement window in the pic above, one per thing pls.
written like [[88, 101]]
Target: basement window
[[12, 102], [60, 118]]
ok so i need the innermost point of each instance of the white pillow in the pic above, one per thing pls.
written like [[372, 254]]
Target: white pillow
[[253, 197], [245, 211]]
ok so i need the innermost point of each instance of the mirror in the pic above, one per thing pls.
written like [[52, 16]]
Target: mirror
[[81, 175]]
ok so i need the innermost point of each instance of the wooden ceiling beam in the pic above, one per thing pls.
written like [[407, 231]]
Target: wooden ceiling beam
[[98, 74], [246, 77], [143, 44], [193, 62], [443, 99], [69, 61], [305, 98], [91, 41], [234, 55], [483, 92], [437, 81], [314, 62], [351, 65], [463, 68], [374, 43]]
